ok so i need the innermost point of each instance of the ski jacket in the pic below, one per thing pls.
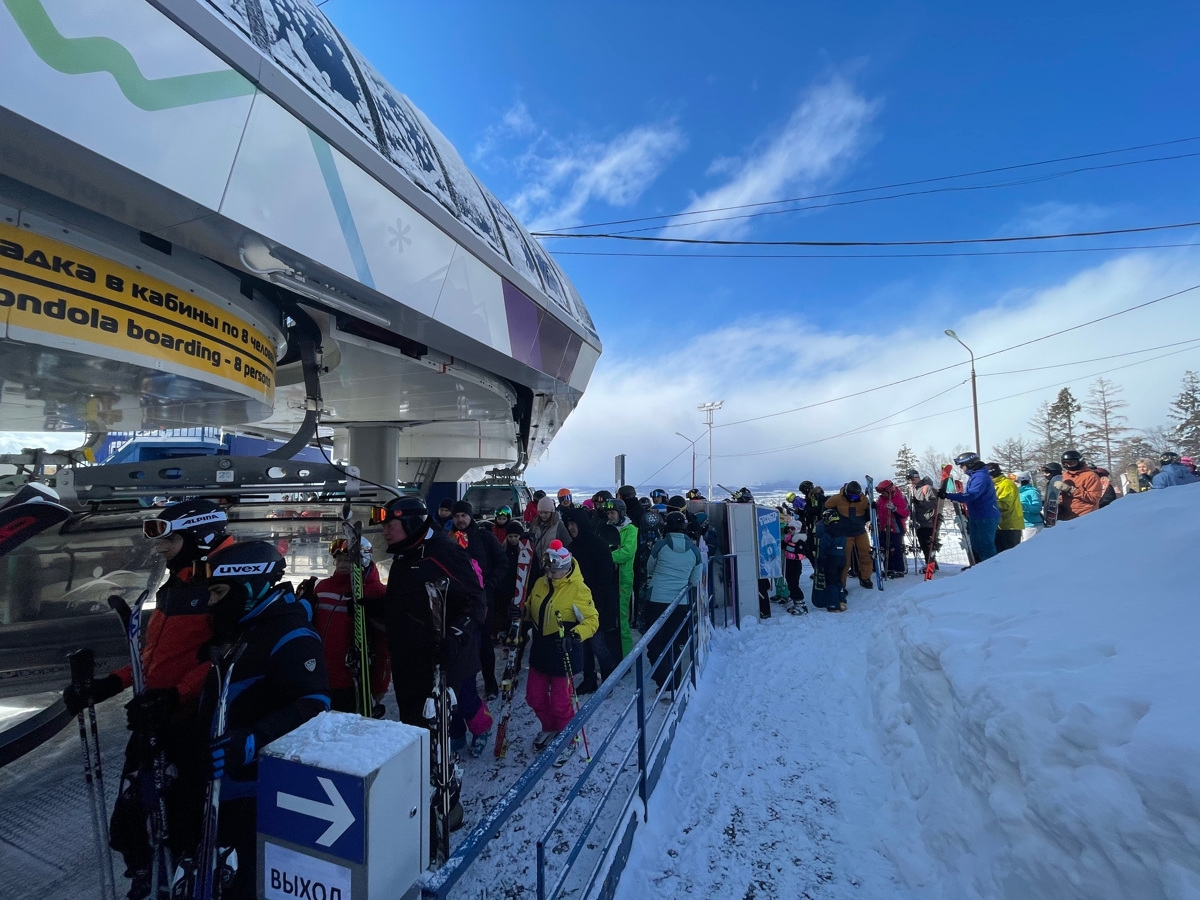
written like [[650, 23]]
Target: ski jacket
[[542, 533], [489, 555], [179, 629], [412, 640], [530, 512], [1031, 505], [549, 602], [624, 556], [793, 545], [1173, 475], [1008, 498], [979, 496], [599, 573], [1084, 496], [674, 564], [333, 621], [888, 521], [856, 515], [924, 503], [279, 682]]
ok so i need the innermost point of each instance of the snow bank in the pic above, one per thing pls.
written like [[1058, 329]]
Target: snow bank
[[344, 742], [1041, 713]]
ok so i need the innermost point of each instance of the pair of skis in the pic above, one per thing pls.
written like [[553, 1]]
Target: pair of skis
[[876, 563], [937, 522], [439, 708], [359, 661], [514, 650]]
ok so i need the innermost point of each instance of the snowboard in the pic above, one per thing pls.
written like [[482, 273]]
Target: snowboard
[[1134, 478], [829, 559], [876, 547], [30, 511], [1050, 504]]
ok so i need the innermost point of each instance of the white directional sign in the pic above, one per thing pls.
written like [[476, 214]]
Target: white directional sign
[[335, 812]]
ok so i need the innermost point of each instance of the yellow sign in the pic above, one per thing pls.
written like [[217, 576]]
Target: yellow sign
[[59, 290]]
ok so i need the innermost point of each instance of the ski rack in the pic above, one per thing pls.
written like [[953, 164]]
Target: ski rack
[[205, 476]]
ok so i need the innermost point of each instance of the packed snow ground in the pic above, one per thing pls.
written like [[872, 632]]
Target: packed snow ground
[[1027, 729]]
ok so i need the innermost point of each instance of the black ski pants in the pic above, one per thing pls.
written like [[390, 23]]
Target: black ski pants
[[791, 574], [665, 646], [1006, 539]]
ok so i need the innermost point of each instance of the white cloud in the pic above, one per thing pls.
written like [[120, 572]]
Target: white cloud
[[826, 131], [516, 122], [563, 181], [1054, 217], [635, 406]]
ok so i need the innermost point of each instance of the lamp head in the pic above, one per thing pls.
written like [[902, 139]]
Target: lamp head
[[951, 333]]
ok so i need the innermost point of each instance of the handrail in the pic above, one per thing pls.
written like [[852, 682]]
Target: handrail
[[438, 884]]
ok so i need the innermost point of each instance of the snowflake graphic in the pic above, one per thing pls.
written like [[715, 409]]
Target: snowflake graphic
[[398, 236]]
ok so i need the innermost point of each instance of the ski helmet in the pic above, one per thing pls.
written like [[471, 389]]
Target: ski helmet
[[884, 486], [912, 473], [600, 496], [645, 503], [339, 546], [994, 469], [1051, 469], [676, 523], [504, 511], [1167, 458], [804, 487], [790, 497], [250, 569], [616, 504], [852, 490], [200, 522], [658, 495], [1025, 478], [626, 491], [412, 514], [677, 502], [743, 495], [969, 460], [1072, 460]]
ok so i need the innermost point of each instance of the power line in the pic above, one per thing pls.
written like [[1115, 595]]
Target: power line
[[940, 242], [956, 365], [1080, 362], [1032, 252], [884, 187]]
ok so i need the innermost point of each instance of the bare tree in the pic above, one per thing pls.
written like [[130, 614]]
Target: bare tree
[[1105, 427], [1016, 454]]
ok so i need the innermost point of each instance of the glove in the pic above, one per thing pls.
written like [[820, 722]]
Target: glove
[[307, 588], [231, 753], [570, 639], [941, 493], [75, 697], [514, 612], [152, 710], [456, 637]]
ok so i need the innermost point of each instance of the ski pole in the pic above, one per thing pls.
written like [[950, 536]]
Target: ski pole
[[562, 635], [83, 667]]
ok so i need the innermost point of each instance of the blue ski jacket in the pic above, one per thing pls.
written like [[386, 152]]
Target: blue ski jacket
[[1031, 503], [1173, 475], [980, 496]]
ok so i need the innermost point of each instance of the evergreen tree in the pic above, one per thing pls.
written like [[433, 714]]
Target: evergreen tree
[[1184, 411], [1015, 454], [1065, 409], [1105, 427], [906, 459]]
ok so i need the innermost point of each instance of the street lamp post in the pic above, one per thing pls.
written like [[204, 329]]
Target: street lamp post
[[691, 441], [974, 395], [708, 409]]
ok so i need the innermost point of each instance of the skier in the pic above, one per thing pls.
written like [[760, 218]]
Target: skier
[[923, 502], [1031, 505], [531, 508], [500, 522], [892, 511], [565, 500], [633, 509], [623, 558], [174, 669], [1012, 513], [1082, 489], [793, 561], [334, 622], [1172, 473], [423, 554], [559, 601], [814, 506], [854, 509], [600, 575], [674, 564], [982, 509], [493, 563], [278, 683]]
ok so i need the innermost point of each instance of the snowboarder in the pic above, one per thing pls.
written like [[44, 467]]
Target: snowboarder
[[1031, 505], [982, 509], [1012, 514], [1082, 490], [674, 564], [557, 596], [278, 683], [829, 564], [1172, 473], [854, 509]]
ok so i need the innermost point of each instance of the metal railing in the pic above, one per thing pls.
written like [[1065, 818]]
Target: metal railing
[[723, 594], [680, 650]]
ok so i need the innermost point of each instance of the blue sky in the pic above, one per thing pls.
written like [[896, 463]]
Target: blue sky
[[577, 114]]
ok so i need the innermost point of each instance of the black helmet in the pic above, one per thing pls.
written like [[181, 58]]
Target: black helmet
[[251, 569], [1051, 469], [645, 502], [1072, 460], [743, 495], [626, 492], [994, 470], [852, 490], [615, 504], [676, 522], [600, 496], [201, 522], [804, 487], [658, 495], [677, 502], [912, 473], [413, 515], [968, 460], [1167, 458]]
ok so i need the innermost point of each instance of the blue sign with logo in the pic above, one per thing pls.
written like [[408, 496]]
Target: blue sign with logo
[[312, 807], [770, 557]]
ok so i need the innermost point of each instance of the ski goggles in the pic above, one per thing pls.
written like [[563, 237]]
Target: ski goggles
[[161, 528], [341, 547], [380, 514]]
